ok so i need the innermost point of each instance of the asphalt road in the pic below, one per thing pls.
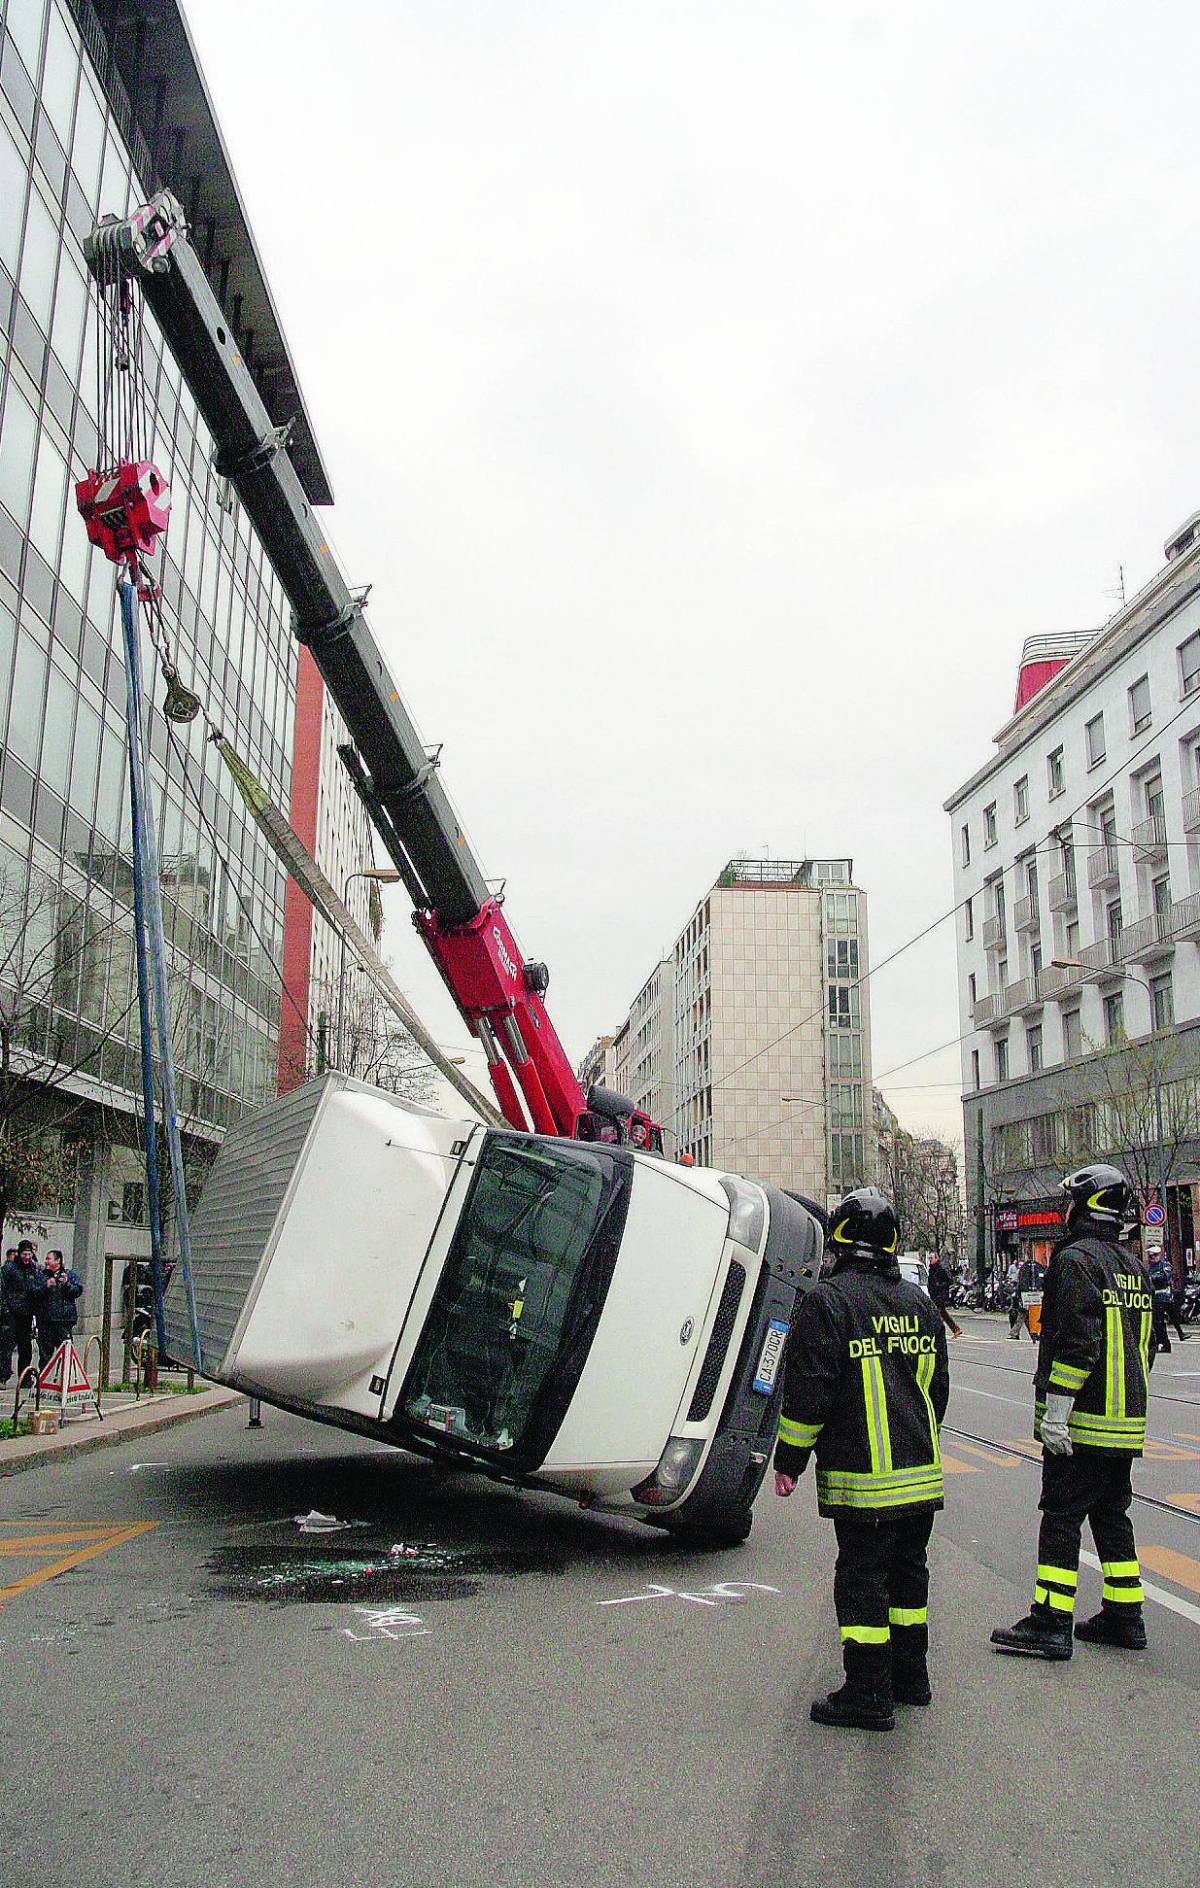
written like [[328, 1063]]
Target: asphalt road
[[472, 1688]]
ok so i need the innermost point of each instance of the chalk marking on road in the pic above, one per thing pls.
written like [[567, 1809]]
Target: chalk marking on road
[[387, 1622], [88, 1550], [707, 1596], [1158, 1594]]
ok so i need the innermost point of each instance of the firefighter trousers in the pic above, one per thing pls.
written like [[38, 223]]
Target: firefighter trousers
[[881, 1595], [1090, 1485]]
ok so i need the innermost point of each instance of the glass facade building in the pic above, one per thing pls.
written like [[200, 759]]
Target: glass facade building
[[67, 155]]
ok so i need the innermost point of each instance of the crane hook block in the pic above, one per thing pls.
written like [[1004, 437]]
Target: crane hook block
[[124, 509]]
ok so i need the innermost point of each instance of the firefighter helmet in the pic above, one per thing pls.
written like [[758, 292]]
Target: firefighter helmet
[[867, 1221], [1099, 1192]]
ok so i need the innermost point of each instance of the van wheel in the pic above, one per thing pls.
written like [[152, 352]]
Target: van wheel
[[717, 1534]]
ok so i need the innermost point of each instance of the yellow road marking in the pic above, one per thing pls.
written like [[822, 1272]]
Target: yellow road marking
[[1180, 1568], [60, 1537], [114, 1537], [952, 1466], [1168, 1452], [1190, 1502], [984, 1455]]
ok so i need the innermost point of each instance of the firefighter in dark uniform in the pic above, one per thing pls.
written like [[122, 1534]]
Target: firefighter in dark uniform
[[866, 1388], [1090, 1397]]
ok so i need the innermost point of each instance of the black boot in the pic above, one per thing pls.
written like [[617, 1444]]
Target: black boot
[[1123, 1626], [1040, 1635], [910, 1685], [852, 1708]]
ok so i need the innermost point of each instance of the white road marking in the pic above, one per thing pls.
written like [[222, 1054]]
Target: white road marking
[[1158, 1594], [1018, 1402]]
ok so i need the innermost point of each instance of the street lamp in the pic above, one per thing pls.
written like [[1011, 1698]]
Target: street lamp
[[1076, 963], [382, 875]]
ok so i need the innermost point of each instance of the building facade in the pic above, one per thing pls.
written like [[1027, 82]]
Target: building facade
[[1077, 882], [100, 106], [751, 1041]]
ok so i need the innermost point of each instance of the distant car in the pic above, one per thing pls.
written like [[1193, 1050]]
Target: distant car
[[915, 1268]]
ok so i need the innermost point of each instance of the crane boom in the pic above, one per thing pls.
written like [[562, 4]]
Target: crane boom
[[459, 918]]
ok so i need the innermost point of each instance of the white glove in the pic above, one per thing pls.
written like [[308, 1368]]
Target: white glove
[[1055, 1439]]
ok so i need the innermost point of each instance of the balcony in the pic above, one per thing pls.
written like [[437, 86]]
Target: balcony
[[1191, 811], [1103, 868], [1102, 959], [1150, 937], [1026, 994], [1025, 915], [994, 937], [1063, 894], [1186, 915], [989, 1012], [1055, 982], [1150, 841]]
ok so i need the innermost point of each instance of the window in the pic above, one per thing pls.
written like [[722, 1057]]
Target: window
[[1139, 705], [1072, 1034], [1162, 1001], [1045, 1139], [972, 998], [1002, 1059], [1112, 929], [1054, 773], [974, 1068], [989, 825], [1035, 960], [842, 957], [1093, 735], [1189, 664], [1072, 939], [968, 920], [998, 897], [1161, 891], [1031, 880], [1021, 800], [965, 841], [1033, 1045], [1114, 1017], [1155, 803], [844, 1010]]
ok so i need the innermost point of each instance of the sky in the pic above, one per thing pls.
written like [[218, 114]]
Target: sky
[[716, 396]]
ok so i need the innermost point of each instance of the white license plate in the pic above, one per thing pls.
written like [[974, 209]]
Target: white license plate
[[772, 1351]]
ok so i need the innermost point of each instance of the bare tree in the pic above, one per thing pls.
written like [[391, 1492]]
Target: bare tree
[[1124, 1082], [55, 1022], [921, 1178], [377, 1049]]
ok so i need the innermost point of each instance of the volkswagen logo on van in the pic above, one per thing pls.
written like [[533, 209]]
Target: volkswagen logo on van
[[686, 1329]]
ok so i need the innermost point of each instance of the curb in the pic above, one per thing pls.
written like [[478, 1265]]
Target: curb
[[25, 1452]]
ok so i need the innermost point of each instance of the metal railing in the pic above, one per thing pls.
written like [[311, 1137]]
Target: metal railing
[[1063, 894], [1149, 937], [1150, 839], [1103, 867]]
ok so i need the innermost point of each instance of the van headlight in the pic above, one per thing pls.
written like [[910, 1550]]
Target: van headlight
[[676, 1467], [747, 1211]]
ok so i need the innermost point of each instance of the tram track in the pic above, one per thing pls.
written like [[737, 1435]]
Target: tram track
[[1015, 1370], [1004, 1448]]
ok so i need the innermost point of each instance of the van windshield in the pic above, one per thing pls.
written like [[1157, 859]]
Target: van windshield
[[510, 1326]]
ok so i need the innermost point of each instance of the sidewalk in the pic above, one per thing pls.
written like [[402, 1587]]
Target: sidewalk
[[119, 1425]]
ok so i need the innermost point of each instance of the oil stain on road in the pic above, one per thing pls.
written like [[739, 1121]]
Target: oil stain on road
[[371, 1568]]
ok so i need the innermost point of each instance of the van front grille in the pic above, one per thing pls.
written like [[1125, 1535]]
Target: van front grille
[[718, 1343]]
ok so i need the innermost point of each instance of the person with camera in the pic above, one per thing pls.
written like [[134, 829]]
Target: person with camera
[[20, 1290], [57, 1307]]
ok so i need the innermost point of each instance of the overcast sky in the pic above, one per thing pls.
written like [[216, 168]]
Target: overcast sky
[[717, 395]]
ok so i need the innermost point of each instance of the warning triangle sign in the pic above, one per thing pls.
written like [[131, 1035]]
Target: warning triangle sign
[[65, 1375]]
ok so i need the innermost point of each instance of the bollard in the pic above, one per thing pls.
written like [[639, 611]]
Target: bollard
[[255, 1421]]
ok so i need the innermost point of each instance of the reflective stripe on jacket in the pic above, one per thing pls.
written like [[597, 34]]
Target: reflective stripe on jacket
[[1096, 1321], [866, 1388]]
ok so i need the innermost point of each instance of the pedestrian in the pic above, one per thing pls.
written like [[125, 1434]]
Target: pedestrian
[[1090, 1395], [1162, 1283], [939, 1292], [1031, 1279], [865, 1390], [1014, 1302], [20, 1289], [57, 1310]]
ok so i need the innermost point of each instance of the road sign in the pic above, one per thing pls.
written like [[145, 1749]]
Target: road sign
[[66, 1377], [1155, 1216]]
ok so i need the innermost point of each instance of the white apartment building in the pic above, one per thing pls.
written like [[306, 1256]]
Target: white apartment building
[[1079, 839], [750, 1042]]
